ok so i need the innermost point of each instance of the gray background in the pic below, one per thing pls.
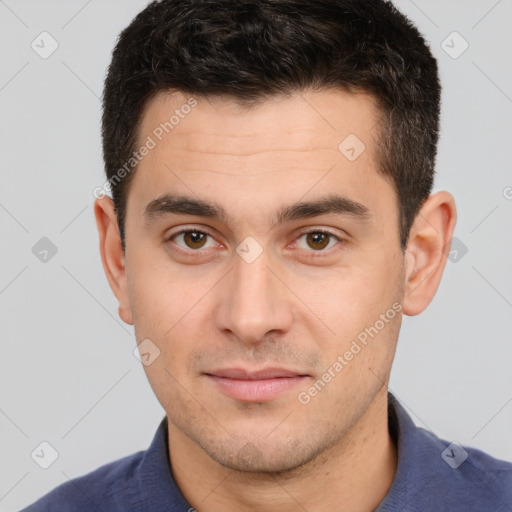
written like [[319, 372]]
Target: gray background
[[68, 375]]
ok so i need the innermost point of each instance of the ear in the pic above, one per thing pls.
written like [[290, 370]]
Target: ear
[[427, 251], [112, 255]]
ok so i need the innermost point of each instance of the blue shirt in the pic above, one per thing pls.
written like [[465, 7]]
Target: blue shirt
[[432, 476]]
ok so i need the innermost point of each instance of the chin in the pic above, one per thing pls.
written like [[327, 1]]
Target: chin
[[260, 456]]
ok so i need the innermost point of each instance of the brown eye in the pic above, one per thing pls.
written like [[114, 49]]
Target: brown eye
[[317, 240], [194, 239]]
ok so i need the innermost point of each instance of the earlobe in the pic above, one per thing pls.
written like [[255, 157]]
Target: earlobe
[[431, 233], [112, 254]]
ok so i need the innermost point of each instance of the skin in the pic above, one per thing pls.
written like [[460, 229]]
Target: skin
[[298, 306]]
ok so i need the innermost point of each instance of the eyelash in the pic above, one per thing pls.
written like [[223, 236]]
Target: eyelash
[[198, 253]]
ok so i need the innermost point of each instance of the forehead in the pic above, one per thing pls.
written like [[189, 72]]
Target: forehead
[[301, 117], [307, 144]]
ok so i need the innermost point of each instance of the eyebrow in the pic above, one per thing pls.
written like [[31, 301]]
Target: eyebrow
[[169, 204]]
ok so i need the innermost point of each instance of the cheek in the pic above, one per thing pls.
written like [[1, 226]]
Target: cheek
[[159, 295], [169, 308], [361, 306]]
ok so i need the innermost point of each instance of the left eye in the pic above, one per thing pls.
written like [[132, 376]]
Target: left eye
[[318, 240]]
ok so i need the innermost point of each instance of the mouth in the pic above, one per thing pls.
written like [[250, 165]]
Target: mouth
[[255, 386]]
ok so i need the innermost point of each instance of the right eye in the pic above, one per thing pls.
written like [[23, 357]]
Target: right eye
[[190, 239]]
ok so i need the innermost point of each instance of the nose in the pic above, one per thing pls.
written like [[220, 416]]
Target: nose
[[255, 303]]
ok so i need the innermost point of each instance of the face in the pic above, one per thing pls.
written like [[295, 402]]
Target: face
[[276, 321]]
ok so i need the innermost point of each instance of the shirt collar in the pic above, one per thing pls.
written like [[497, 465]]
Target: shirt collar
[[158, 489], [416, 465]]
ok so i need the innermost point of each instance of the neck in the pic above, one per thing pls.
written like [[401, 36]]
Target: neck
[[353, 475]]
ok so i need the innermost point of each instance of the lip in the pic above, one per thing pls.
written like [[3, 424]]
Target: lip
[[255, 386]]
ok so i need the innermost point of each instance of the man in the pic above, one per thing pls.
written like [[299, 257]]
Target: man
[[271, 166]]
